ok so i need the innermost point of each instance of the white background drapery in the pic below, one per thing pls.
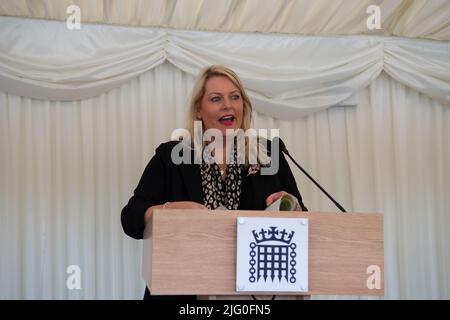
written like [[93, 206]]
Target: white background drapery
[[82, 112], [67, 169], [288, 77], [403, 18]]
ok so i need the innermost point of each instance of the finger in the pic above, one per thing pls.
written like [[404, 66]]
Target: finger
[[274, 197], [270, 198], [199, 206]]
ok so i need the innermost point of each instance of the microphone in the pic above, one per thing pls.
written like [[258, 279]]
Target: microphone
[[286, 152]]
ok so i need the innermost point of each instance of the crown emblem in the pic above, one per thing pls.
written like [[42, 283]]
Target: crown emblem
[[273, 234]]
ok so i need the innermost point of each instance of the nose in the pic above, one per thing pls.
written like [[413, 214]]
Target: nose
[[226, 103]]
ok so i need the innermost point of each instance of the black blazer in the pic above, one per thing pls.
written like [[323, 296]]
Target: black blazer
[[164, 181]]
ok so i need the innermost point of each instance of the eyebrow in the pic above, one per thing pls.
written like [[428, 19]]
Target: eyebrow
[[220, 93]]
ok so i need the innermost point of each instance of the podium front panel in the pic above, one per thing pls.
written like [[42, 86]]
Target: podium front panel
[[194, 252]]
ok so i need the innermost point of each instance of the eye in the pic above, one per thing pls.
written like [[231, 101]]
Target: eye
[[235, 97], [216, 99]]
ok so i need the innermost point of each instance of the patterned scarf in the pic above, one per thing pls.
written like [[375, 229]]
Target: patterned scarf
[[218, 191]]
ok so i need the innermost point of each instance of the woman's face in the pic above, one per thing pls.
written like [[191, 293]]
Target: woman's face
[[222, 106]]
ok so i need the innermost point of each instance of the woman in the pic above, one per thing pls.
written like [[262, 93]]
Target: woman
[[219, 101]]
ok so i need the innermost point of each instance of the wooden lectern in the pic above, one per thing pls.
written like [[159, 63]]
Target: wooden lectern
[[193, 252]]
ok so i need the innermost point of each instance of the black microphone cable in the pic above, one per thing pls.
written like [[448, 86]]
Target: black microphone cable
[[286, 152]]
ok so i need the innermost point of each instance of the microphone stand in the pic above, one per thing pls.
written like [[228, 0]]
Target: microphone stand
[[286, 152]]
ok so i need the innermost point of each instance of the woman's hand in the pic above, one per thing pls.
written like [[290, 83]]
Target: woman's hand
[[184, 205], [274, 197], [173, 205]]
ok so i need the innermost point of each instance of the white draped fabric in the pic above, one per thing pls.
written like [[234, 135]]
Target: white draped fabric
[[403, 18], [67, 169], [289, 77], [81, 113]]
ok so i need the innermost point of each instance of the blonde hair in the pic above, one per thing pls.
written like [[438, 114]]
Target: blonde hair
[[199, 91]]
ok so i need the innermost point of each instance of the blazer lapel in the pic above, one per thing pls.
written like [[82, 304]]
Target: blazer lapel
[[192, 181], [253, 191]]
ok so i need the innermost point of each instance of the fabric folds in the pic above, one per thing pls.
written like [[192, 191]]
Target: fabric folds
[[286, 76]]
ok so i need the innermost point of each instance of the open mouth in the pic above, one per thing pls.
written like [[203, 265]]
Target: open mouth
[[227, 120]]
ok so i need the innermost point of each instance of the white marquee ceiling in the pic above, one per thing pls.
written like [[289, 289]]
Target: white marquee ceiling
[[428, 19]]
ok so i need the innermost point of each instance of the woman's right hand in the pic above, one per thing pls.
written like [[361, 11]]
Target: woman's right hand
[[173, 205], [184, 205]]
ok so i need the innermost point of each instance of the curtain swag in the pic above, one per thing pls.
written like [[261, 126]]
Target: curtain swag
[[286, 76]]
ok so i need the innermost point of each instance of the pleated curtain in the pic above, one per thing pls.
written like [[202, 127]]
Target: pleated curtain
[[68, 168], [81, 113]]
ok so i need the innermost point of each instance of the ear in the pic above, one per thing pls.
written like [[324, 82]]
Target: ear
[[198, 115]]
